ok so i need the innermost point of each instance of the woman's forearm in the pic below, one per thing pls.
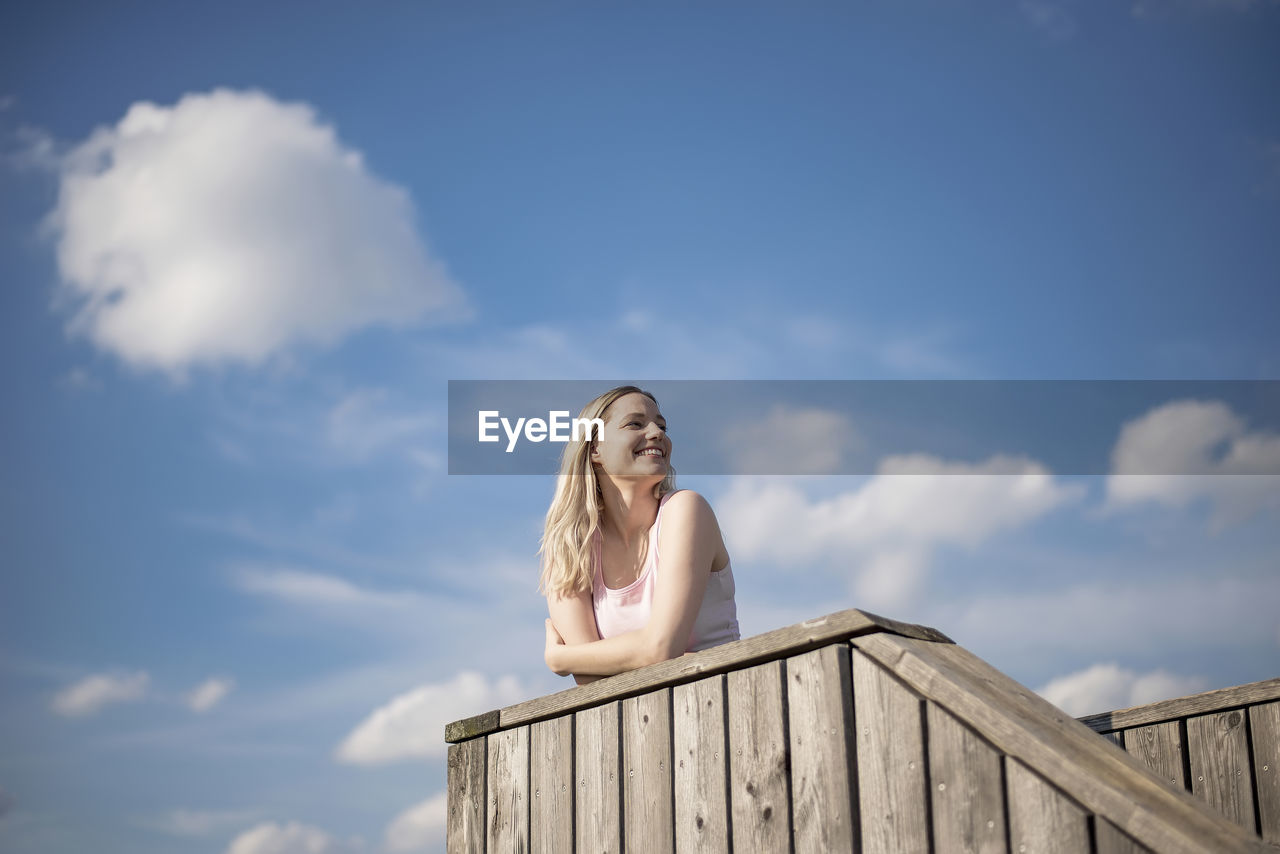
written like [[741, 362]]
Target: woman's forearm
[[606, 657]]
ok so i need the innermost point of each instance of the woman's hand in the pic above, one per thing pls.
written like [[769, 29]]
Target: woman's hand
[[555, 643]]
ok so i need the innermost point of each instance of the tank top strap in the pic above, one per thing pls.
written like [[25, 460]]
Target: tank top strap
[[657, 524], [597, 573]]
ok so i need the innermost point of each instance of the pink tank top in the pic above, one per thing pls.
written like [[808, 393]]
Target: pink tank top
[[627, 609]]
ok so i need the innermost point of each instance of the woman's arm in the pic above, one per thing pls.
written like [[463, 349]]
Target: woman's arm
[[573, 621], [688, 543]]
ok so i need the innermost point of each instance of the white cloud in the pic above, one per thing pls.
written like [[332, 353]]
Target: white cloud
[[189, 822], [411, 725], [209, 693], [1209, 454], [292, 838], [1040, 631], [792, 441], [1107, 686], [230, 225], [419, 828], [316, 590], [91, 694], [888, 527]]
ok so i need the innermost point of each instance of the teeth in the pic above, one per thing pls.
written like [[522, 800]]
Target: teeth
[[651, 452]]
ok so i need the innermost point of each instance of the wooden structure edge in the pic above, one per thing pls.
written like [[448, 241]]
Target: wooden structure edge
[[1027, 728], [780, 643], [1219, 700]]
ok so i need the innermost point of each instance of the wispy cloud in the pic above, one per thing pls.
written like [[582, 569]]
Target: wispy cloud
[[209, 693], [1233, 468], [1128, 609], [889, 527], [91, 694], [1107, 686], [419, 828], [195, 823], [411, 726], [229, 226], [328, 593], [291, 838], [818, 440]]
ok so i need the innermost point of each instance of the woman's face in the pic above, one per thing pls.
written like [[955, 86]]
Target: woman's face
[[634, 443]]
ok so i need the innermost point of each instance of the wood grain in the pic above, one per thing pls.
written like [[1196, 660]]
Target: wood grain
[[758, 759], [551, 776], [1221, 772], [465, 821], [1264, 723], [508, 790], [647, 778], [1221, 699], [769, 646], [1041, 819], [1109, 840], [1160, 748], [1020, 724], [820, 728], [965, 785], [701, 760], [597, 819], [892, 805]]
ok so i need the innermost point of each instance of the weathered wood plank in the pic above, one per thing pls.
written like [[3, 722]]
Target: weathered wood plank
[[1197, 704], [1041, 819], [820, 728], [1160, 748], [1116, 738], [770, 646], [1109, 840], [597, 818], [1264, 722], [758, 759], [508, 788], [647, 779], [1023, 725], [551, 776], [472, 727], [465, 824], [1218, 747], [891, 763], [966, 787], [701, 757]]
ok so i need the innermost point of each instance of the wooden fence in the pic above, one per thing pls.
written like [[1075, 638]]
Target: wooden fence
[[846, 733], [1222, 746]]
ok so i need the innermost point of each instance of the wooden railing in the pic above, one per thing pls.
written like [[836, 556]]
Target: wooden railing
[[1222, 746], [851, 732]]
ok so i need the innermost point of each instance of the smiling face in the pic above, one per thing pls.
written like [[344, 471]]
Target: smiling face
[[634, 443]]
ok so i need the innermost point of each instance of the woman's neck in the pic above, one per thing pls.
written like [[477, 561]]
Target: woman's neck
[[629, 508]]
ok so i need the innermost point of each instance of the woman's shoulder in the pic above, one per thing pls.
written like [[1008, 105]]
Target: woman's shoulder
[[686, 504]]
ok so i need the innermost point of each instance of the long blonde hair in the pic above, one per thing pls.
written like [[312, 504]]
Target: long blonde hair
[[574, 516]]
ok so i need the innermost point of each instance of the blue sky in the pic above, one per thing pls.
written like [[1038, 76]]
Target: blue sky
[[244, 248]]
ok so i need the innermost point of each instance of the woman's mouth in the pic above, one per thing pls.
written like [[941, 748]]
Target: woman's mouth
[[651, 452]]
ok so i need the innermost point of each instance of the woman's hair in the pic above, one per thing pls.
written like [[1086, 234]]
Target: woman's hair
[[574, 516]]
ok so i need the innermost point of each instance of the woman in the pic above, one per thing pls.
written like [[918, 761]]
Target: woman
[[634, 571]]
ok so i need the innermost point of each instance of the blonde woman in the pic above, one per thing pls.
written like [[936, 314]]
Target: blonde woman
[[634, 571]]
